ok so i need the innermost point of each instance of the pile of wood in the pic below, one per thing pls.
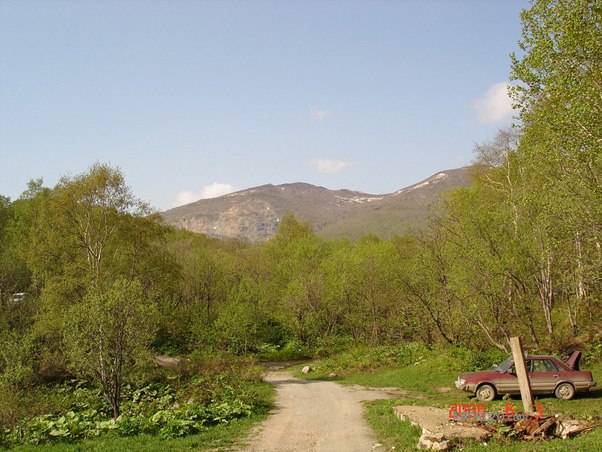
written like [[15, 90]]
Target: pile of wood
[[531, 428]]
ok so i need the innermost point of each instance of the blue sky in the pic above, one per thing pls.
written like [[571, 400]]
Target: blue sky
[[195, 98]]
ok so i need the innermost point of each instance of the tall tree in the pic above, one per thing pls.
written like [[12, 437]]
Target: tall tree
[[560, 71], [87, 216], [559, 98], [91, 230]]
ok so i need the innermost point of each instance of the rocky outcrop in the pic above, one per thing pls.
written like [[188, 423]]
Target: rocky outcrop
[[436, 428]]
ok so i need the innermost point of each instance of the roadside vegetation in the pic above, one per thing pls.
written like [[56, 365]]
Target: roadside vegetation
[[93, 284], [165, 404]]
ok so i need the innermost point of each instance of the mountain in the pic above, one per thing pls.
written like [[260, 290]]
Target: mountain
[[256, 213]]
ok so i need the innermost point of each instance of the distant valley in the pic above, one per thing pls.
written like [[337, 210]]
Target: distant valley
[[255, 213]]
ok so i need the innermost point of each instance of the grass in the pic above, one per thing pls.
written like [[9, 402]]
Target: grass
[[391, 431], [429, 379], [219, 438]]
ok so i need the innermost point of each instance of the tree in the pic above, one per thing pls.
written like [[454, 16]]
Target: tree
[[289, 230], [559, 98], [17, 219], [495, 152], [204, 281], [341, 288], [8, 279], [425, 289], [92, 230], [105, 334], [87, 227], [241, 320], [301, 287], [560, 71], [377, 288], [294, 254]]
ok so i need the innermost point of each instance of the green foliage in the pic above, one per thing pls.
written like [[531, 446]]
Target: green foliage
[[91, 230], [219, 437], [365, 358], [560, 69], [167, 423], [105, 333], [182, 405], [17, 357], [292, 350], [393, 433], [471, 360], [333, 345]]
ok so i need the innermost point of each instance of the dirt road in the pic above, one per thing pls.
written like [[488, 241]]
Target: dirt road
[[316, 416]]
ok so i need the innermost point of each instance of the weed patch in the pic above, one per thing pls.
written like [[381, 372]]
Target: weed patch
[[181, 404]]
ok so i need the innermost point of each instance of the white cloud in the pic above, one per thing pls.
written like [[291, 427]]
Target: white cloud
[[319, 114], [328, 166], [495, 105], [217, 189], [214, 190]]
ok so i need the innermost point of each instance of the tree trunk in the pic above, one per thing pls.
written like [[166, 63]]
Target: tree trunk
[[545, 287]]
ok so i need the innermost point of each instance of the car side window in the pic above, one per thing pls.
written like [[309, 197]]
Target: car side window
[[556, 367], [512, 368], [543, 365], [538, 366]]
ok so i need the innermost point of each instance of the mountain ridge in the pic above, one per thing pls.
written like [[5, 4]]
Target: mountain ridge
[[255, 213]]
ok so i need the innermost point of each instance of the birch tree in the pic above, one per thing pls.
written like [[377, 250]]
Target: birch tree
[[107, 332]]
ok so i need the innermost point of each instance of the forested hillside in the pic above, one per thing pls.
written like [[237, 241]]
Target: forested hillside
[[92, 282]]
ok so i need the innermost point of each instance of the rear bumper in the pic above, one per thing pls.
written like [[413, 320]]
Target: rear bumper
[[585, 386]]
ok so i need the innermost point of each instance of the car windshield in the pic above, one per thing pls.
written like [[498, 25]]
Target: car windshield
[[502, 367]]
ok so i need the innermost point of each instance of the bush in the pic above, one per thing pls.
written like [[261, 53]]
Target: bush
[[292, 350], [364, 358], [334, 345], [474, 360], [17, 357]]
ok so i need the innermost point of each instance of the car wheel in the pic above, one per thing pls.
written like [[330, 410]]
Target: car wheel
[[486, 393], [564, 391]]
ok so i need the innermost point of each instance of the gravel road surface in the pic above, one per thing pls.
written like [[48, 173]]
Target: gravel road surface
[[316, 416]]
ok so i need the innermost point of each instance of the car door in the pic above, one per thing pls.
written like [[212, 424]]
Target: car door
[[544, 376], [508, 383]]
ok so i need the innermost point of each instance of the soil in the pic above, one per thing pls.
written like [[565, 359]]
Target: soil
[[317, 416]]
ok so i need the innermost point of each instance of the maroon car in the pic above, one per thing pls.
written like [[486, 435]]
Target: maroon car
[[548, 375]]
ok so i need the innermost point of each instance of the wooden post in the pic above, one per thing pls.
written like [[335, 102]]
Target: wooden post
[[521, 372]]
